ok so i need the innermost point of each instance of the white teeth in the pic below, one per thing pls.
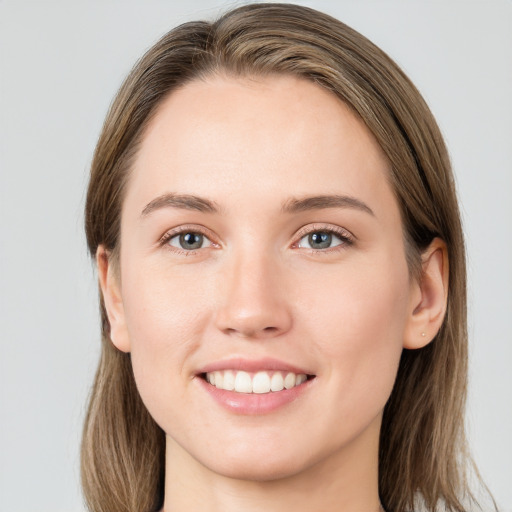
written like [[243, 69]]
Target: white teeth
[[300, 379], [277, 382], [218, 378], [229, 380], [289, 381], [261, 382], [243, 383]]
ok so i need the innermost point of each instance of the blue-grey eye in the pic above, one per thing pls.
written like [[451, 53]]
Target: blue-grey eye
[[320, 240], [189, 241]]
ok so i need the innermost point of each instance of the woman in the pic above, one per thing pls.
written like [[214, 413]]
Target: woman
[[281, 263]]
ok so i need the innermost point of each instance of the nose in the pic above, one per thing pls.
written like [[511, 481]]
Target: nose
[[253, 299]]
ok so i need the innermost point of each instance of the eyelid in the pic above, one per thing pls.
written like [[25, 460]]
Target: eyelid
[[188, 228], [342, 233]]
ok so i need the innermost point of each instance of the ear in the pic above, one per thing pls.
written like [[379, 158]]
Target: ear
[[428, 297], [108, 274]]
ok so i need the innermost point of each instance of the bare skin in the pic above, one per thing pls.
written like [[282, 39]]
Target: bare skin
[[259, 225]]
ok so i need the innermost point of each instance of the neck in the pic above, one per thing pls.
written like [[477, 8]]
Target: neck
[[346, 480]]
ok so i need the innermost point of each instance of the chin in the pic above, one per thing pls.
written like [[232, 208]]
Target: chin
[[258, 470], [255, 463]]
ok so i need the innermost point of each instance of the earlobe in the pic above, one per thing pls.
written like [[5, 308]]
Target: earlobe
[[429, 297], [112, 298]]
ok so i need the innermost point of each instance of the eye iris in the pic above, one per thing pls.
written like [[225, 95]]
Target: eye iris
[[320, 240], [191, 240]]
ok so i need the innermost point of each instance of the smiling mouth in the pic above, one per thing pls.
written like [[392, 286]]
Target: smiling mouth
[[258, 382]]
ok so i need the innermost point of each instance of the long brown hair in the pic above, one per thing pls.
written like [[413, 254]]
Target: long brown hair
[[422, 456]]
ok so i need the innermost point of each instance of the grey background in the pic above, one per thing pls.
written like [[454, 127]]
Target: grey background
[[61, 63]]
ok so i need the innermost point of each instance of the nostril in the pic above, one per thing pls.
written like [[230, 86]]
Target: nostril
[[250, 332]]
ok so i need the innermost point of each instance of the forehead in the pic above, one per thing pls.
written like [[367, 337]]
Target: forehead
[[258, 138]]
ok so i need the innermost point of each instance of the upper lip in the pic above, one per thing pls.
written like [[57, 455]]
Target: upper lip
[[252, 365]]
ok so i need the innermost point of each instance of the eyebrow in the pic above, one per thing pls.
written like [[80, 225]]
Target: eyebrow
[[182, 201], [293, 205], [325, 201]]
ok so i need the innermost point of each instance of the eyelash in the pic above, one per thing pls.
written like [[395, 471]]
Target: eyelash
[[347, 239], [167, 237]]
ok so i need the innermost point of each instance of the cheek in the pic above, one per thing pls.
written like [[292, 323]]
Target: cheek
[[164, 319], [359, 326], [163, 307]]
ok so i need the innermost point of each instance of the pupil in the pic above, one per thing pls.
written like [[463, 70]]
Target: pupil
[[320, 240], [191, 240]]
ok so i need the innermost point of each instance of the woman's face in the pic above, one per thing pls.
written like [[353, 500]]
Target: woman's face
[[261, 240]]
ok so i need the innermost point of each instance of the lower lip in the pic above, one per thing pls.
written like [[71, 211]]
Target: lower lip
[[254, 403]]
